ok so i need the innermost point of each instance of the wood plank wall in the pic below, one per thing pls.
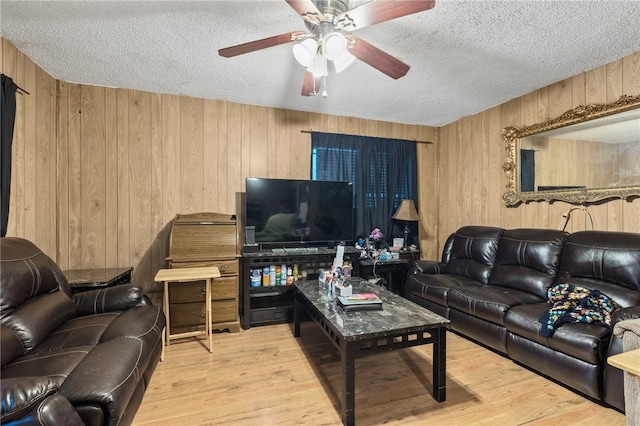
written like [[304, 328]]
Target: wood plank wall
[[122, 163], [33, 201], [594, 164], [470, 155], [99, 173]]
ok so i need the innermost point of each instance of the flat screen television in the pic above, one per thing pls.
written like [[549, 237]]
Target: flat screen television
[[293, 211]]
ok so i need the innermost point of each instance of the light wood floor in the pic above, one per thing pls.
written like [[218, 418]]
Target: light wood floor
[[264, 376]]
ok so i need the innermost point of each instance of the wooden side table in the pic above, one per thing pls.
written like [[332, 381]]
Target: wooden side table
[[627, 361], [181, 275]]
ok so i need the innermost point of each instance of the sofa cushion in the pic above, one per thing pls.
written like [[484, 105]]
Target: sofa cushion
[[109, 374], [488, 302], [473, 252], [23, 395], [24, 263], [528, 260], [11, 346], [37, 317], [587, 342], [435, 287], [81, 331], [55, 365], [34, 293], [612, 259]]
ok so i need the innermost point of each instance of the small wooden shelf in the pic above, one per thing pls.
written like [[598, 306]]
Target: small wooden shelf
[[627, 361], [182, 275]]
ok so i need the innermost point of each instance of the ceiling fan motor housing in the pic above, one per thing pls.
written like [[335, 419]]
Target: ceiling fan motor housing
[[330, 10]]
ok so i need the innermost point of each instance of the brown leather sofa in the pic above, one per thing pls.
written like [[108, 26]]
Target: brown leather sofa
[[69, 359], [492, 284]]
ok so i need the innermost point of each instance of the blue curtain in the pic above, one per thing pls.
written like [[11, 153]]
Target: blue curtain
[[8, 116], [383, 172]]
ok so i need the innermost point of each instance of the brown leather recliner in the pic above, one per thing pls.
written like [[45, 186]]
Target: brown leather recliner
[[71, 359]]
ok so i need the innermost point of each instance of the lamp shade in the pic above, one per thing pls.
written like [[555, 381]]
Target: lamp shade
[[343, 61], [305, 51], [407, 212], [334, 46]]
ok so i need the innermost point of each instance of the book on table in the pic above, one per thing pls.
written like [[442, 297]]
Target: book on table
[[360, 302]]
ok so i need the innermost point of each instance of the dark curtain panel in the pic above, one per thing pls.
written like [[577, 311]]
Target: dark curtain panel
[[8, 109], [382, 170], [527, 170]]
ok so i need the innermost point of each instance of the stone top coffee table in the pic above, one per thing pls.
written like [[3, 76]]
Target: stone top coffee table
[[400, 324]]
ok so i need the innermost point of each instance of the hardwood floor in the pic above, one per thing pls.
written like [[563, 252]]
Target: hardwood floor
[[264, 376]]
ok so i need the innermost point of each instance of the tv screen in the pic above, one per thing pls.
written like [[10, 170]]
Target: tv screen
[[300, 211]]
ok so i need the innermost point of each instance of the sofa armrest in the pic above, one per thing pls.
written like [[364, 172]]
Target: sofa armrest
[[116, 298], [34, 400], [629, 313], [427, 267]]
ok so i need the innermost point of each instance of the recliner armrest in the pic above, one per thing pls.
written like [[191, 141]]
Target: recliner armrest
[[427, 267], [632, 312], [108, 299], [34, 400]]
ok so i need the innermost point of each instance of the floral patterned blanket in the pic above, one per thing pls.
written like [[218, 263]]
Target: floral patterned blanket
[[572, 304]]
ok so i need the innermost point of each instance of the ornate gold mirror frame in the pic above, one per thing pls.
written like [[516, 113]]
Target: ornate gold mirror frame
[[510, 135]]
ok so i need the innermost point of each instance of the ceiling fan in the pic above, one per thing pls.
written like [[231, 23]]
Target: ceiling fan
[[330, 41]]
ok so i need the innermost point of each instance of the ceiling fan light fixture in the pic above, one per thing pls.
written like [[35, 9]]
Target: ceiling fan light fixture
[[343, 61], [305, 51], [319, 66], [334, 46]]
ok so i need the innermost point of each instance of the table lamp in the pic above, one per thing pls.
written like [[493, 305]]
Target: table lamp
[[407, 212]]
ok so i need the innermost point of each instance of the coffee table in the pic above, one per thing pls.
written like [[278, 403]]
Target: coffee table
[[400, 324]]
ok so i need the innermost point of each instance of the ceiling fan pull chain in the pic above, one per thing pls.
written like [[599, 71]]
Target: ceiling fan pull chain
[[324, 86]]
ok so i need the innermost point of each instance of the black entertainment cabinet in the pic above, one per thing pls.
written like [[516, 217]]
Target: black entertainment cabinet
[[274, 304]]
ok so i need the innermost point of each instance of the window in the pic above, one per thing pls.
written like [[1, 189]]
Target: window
[[383, 172]]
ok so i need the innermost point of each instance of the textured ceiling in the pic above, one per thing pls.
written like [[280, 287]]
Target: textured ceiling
[[465, 56]]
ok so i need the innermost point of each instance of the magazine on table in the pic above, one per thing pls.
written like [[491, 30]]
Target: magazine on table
[[360, 302]]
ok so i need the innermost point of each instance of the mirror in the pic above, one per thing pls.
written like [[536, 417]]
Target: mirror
[[586, 155]]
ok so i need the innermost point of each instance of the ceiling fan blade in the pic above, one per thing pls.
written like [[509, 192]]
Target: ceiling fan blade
[[378, 59], [306, 9], [264, 43], [310, 84], [378, 11]]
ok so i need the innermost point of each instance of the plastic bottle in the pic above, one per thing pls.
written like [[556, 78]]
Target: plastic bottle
[[289, 276], [255, 278], [283, 276], [272, 273], [295, 272], [265, 276]]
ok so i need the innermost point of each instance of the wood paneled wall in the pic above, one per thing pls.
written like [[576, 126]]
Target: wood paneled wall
[[574, 162], [99, 173], [471, 152], [120, 164], [33, 201]]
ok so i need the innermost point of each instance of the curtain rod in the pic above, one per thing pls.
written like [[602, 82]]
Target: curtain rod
[[412, 140], [18, 88]]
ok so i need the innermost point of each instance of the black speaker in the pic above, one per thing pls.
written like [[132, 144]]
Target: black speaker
[[250, 235]]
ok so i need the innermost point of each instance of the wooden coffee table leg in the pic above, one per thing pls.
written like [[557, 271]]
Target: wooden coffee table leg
[[349, 376]]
